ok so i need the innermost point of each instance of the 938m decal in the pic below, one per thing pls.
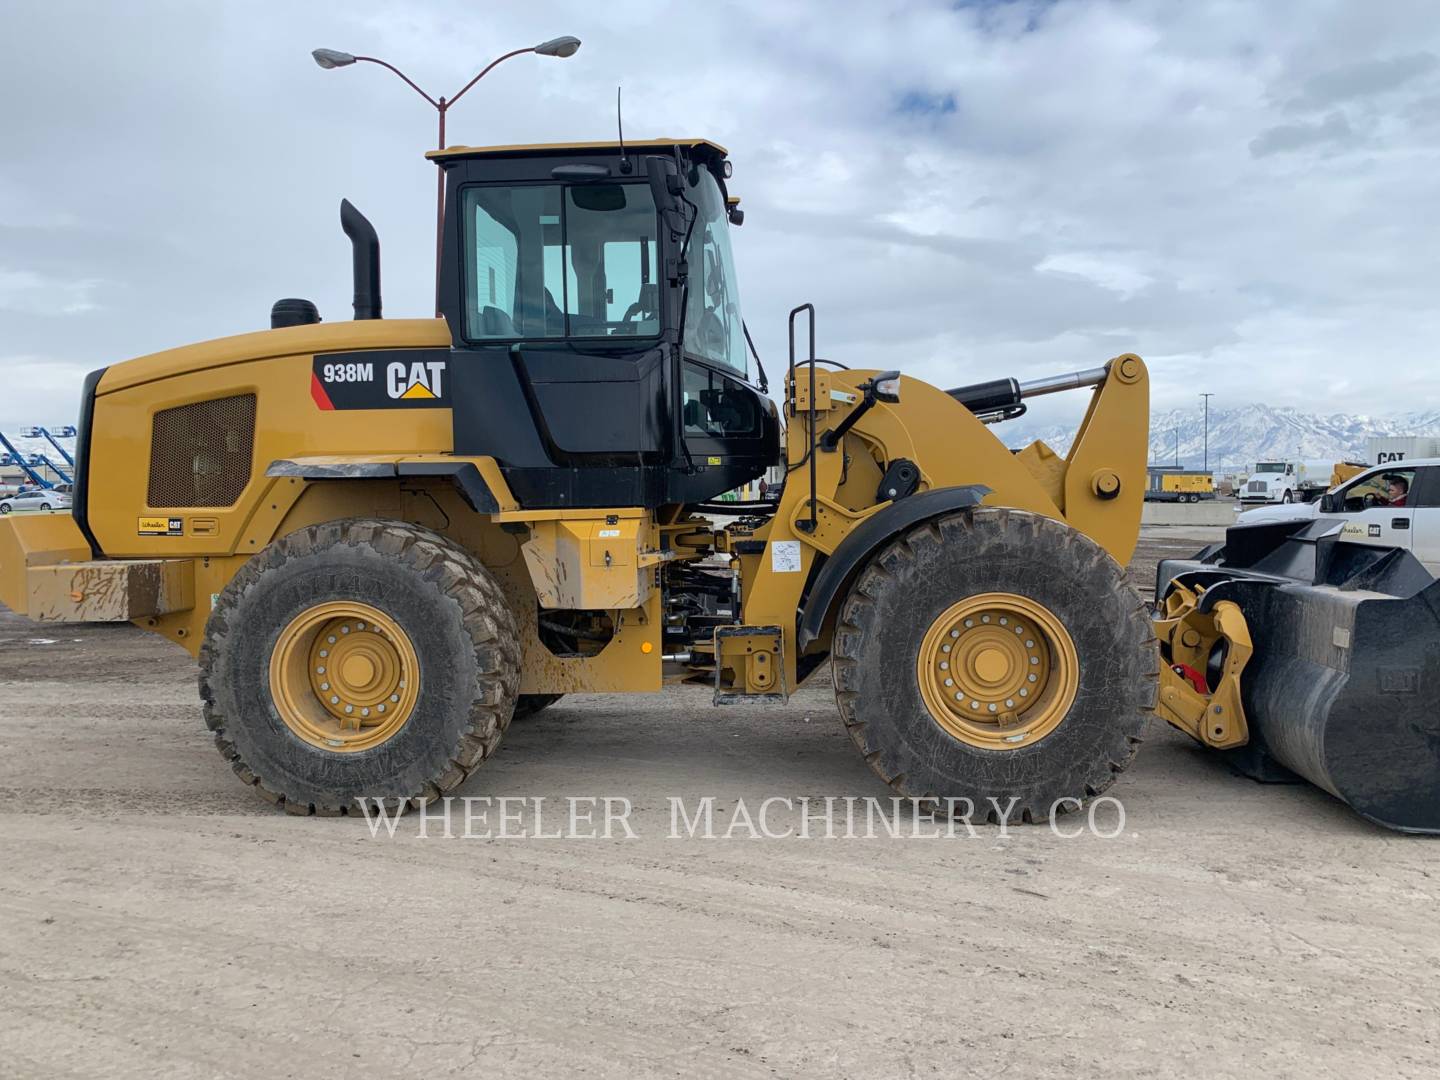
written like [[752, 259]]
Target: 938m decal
[[388, 379]]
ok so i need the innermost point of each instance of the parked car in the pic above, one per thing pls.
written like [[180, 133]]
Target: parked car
[[35, 500]]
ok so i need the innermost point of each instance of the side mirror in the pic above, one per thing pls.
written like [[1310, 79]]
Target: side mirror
[[886, 387], [1330, 503], [665, 185]]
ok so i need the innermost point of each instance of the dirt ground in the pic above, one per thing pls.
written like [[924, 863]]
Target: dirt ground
[[157, 920]]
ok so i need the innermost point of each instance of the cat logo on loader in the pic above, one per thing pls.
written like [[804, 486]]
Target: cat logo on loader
[[418, 380]]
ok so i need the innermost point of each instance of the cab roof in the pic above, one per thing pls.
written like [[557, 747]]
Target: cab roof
[[549, 149]]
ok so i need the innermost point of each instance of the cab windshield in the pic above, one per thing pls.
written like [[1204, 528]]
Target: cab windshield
[[550, 261]]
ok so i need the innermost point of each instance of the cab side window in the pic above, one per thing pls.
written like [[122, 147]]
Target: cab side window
[[1390, 488], [1425, 491], [717, 406]]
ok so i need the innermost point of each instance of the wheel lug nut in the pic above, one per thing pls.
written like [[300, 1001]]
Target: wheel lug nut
[[324, 686], [334, 700], [949, 682]]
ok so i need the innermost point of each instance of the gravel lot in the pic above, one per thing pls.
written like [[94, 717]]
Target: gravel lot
[[157, 920]]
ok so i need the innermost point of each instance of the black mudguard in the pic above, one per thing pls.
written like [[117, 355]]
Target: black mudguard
[[867, 538]]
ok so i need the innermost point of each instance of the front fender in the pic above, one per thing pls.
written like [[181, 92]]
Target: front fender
[[866, 538]]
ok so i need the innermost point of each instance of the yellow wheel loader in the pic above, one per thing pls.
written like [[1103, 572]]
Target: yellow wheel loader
[[385, 539]]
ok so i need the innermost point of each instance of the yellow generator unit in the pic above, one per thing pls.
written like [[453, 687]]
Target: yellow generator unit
[[1167, 484]]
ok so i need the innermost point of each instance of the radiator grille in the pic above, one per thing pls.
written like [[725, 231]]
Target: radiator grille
[[200, 454]]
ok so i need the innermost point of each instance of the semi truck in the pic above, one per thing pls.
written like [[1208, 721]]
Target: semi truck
[[1286, 481]]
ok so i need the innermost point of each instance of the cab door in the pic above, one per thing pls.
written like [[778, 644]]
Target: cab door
[[1425, 518], [1368, 516]]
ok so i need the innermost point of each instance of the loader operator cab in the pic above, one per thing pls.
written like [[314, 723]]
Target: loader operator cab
[[599, 352]]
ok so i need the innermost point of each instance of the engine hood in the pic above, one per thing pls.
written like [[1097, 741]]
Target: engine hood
[[264, 344]]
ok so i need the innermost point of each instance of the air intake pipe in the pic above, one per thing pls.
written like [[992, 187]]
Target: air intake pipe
[[365, 247]]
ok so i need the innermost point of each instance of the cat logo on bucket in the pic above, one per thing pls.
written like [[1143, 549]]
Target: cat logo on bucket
[[421, 380]]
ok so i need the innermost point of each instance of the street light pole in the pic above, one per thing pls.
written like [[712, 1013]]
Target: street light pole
[[1207, 398], [331, 58]]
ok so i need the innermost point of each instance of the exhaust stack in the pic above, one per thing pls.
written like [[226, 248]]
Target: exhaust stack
[[365, 246]]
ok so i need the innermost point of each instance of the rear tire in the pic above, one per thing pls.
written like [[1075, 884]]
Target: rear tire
[[1100, 655], [528, 705], [448, 637]]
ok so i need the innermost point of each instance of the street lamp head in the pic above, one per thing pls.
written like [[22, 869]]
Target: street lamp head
[[560, 46], [333, 58]]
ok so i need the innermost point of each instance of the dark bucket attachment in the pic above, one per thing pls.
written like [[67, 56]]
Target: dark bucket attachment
[[1343, 688]]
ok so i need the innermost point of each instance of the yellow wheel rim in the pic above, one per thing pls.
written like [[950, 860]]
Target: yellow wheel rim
[[344, 676], [998, 671]]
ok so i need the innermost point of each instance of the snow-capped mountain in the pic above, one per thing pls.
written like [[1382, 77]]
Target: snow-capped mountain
[[1240, 437]]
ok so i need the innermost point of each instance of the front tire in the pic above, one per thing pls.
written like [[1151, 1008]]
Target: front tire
[[359, 659], [527, 705], [993, 655], [1286, 498]]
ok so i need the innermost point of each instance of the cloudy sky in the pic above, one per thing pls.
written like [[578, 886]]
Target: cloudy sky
[[1245, 193]]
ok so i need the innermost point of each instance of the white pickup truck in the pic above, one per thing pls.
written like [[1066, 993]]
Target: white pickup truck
[[1393, 505], [1286, 482]]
